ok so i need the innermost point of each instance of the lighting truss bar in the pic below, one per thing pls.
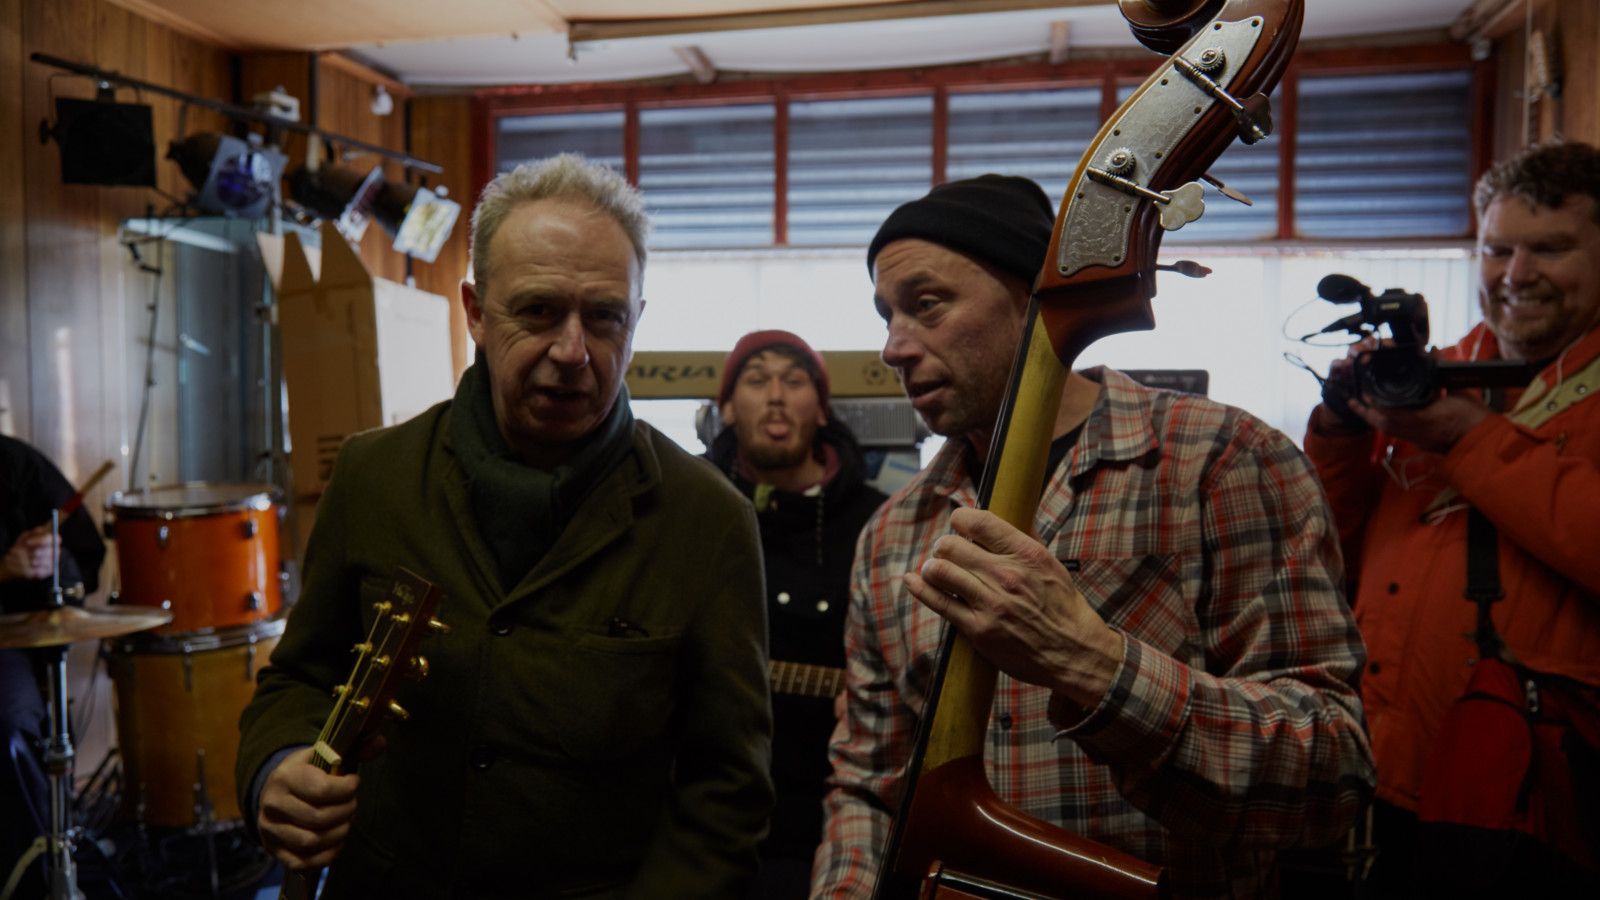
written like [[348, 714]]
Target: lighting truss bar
[[235, 112]]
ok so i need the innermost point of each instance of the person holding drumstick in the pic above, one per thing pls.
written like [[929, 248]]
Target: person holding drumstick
[[30, 488]]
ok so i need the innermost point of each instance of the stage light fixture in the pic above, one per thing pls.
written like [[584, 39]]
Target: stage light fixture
[[103, 142], [233, 177], [417, 218]]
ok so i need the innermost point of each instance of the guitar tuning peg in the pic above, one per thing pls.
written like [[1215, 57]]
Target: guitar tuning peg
[[382, 608], [1184, 205], [398, 711], [418, 667], [1226, 191], [438, 627], [363, 648]]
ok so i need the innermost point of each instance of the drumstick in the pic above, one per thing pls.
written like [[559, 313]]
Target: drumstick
[[76, 500]]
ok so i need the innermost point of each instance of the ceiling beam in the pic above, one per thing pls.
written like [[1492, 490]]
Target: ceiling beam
[[363, 72], [163, 16], [587, 30], [698, 63], [547, 14], [1491, 19]]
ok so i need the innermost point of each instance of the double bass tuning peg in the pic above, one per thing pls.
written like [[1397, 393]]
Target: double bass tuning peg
[[1226, 191], [1186, 267]]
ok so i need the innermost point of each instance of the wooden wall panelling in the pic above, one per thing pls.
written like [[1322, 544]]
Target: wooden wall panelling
[[1508, 119], [65, 331], [1577, 34], [73, 305], [441, 132], [262, 72], [63, 250], [15, 379], [347, 110], [1573, 29]]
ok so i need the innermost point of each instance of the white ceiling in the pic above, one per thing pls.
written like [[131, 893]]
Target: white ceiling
[[490, 42], [896, 43]]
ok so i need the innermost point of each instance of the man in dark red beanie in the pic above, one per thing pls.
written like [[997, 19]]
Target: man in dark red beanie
[[804, 471], [1178, 667]]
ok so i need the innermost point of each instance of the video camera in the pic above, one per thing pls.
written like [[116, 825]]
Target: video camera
[[1402, 373]]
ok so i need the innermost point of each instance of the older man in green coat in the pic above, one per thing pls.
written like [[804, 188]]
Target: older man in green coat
[[596, 723]]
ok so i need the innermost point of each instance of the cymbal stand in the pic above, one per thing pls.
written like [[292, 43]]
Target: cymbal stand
[[58, 752]]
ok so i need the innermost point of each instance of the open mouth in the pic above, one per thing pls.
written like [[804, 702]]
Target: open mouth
[[561, 395]]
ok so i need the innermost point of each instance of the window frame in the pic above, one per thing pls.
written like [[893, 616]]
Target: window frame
[[489, 105]]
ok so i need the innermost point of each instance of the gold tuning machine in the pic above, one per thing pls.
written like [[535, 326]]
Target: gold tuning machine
[[418, 667], [398, 711], [438, 627]]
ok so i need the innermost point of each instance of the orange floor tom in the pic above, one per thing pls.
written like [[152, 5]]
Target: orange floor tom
[[206, 552]]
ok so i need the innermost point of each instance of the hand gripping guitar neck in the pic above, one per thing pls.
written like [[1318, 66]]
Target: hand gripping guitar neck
[[953, 838]]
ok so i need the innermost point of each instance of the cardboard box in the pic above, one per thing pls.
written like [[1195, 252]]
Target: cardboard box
[[359, 352]]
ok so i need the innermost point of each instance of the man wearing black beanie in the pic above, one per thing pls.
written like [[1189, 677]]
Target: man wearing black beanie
[[1179, 671]]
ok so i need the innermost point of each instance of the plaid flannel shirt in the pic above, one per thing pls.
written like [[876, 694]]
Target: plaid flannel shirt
[[1234, 724]]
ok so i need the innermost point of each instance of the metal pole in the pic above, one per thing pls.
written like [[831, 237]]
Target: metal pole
[[58, 752]]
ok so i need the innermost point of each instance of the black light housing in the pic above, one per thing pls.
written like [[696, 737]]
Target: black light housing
[[103, 142], [233, 177], [417, 218]]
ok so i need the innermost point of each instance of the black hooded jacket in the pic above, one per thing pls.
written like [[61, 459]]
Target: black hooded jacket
[[808, 543]]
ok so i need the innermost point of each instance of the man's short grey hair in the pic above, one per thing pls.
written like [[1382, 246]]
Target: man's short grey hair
[[568, 175]]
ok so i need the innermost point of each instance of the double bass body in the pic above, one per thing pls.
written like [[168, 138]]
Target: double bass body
[[953, 837]]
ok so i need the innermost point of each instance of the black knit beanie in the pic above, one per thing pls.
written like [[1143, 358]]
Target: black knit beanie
[[1002, 220]]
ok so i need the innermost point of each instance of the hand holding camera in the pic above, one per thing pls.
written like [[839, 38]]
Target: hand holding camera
[[1397, 384]]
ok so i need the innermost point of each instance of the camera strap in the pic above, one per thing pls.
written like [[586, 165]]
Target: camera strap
[[1483, 581], [1483, 561]]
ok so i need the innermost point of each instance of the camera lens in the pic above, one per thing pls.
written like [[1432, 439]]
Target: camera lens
[[1396, 377]]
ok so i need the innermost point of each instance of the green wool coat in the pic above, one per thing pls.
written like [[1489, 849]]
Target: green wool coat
[[549, 753]]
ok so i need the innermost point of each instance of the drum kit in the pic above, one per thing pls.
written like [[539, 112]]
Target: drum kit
[[199, 611]]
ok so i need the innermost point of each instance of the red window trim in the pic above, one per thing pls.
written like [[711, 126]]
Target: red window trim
[[490, 104]]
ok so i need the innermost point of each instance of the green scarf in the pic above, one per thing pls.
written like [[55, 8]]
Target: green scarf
[[520, 510]]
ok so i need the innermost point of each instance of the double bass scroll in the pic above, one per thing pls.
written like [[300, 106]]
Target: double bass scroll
[[953, 837]]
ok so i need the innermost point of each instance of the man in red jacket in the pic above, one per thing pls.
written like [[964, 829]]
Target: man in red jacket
[[1401, 482]]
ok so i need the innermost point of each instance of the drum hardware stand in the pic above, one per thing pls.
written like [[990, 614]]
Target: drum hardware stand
[[205, 818], [63, 874]]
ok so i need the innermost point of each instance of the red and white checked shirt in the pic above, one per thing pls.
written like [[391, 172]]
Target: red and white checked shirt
[[1233, 727]]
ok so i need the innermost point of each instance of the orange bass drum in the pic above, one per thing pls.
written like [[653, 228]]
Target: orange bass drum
[[178, 702]]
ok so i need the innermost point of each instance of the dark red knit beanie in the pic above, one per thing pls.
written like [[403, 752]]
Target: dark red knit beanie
[[757, 341]]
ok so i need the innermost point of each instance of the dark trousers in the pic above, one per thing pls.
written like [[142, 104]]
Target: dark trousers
[[24, 791], [1398, 874]]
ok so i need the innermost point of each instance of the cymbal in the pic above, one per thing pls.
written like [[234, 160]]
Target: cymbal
[[67, 624]]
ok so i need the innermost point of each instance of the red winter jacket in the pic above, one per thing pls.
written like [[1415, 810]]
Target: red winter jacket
[[1535, 473]]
